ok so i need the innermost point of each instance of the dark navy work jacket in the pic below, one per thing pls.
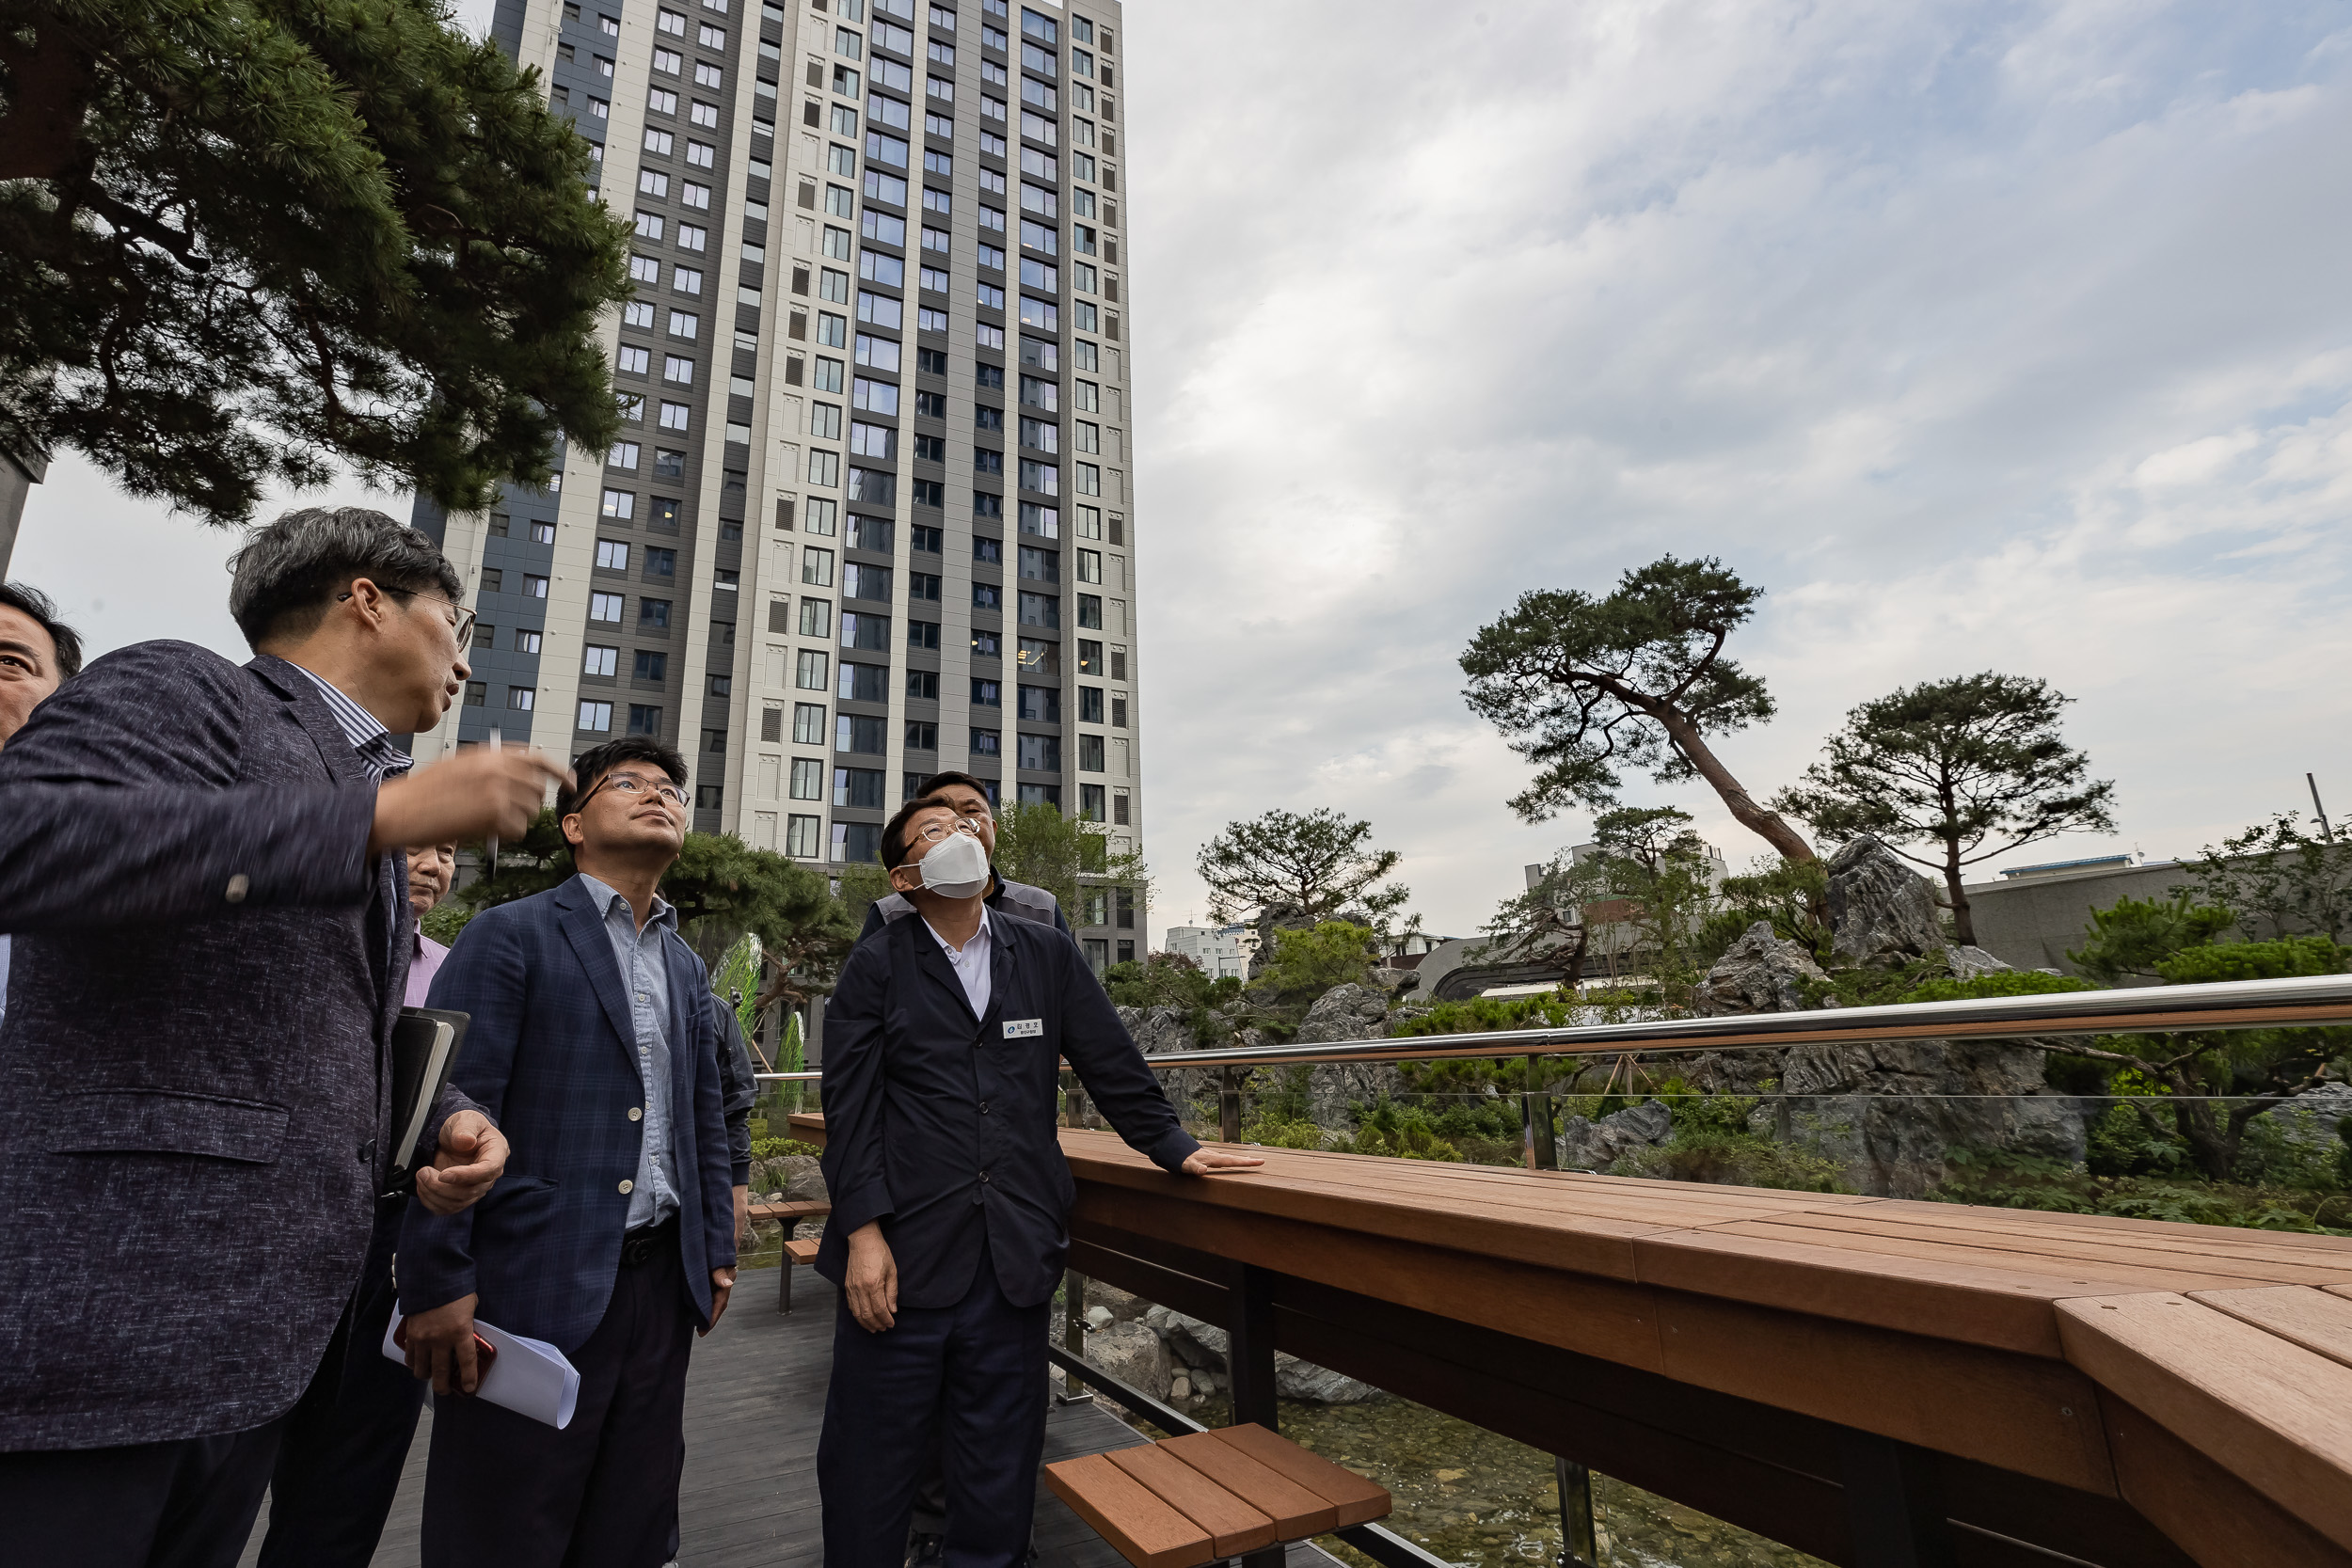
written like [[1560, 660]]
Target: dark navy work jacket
[[941, 1125]]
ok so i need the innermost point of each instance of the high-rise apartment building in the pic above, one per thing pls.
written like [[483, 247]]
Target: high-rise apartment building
[[869, 514]]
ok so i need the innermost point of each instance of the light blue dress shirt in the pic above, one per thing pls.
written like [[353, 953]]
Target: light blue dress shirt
[[645, 980]]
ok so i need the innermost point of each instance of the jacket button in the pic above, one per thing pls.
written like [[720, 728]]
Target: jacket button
[[983, 1176], [238, 885], [636, 1113], [983, 1107], [628, 1186]]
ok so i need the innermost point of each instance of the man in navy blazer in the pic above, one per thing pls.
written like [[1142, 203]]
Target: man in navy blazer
[[595, 1043], [200, 868], [950, 1196]]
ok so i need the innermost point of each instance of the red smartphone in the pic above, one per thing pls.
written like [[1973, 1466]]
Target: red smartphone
[[484, 1352]]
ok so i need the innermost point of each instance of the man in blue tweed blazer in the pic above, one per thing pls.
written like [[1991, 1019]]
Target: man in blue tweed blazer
[[595, 1043], [200, 869]]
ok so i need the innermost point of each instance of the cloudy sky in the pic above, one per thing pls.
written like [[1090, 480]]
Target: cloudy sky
[[1981, 335]]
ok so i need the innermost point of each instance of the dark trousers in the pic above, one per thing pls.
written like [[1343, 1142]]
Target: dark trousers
[[973, 1371], [346, 1441], [502, 1488], [184, 1504]]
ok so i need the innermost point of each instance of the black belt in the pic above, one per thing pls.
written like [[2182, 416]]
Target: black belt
[[647, 1242]]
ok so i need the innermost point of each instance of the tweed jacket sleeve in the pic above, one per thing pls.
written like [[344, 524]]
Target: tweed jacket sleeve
[[121, 805], [855, 1178]]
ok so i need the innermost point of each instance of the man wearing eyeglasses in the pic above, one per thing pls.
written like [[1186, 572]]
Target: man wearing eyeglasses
[[201, 876], [595, 1043], [968, 799]]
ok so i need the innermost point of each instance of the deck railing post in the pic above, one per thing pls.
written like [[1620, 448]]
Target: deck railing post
[[1249, 1367], [1228, 1105], [1543, 1152], [1580, 1546], [1893, 1506], [1074, 1336]]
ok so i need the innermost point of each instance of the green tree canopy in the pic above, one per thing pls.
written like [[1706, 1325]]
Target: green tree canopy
[[2279, 879], [1038, 845], [1581, 684], [1974, 765], [1308, 962], [1314, 863], [2128, 941], [241, 239]]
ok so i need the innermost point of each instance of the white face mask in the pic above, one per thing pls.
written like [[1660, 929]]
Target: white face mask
[[957, 867]]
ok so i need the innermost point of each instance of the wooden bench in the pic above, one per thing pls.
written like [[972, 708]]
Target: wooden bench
[[795, 1252], [1189, 1500]]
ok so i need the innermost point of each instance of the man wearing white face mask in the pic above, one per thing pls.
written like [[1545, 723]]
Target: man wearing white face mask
[[950, 1196]]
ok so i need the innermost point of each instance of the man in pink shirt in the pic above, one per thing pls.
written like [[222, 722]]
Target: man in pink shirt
[[432, 868]]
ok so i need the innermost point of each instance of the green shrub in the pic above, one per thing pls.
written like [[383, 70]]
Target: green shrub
[[777, 1148], [2007, 982], [1401, 1132]]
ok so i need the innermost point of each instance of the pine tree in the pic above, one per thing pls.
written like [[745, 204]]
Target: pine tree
[[241, 240]]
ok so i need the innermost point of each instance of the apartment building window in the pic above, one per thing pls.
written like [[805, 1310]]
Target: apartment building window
[[859, 736], [865, 683], [809, 670], [856, 841], [870, 633], [477, 694], [1089, 753], [1118, 808], [675, 416], [653, 612], [809, 724], [988, 693], [803, 836], [816, 618], [923, 634], [534, 587], [1041, 753], [600, 659], [922, 736], [611, 556], [1089, 705], [597, 718], [606, 607], [661, 564], [1041, 610], [644, 720], [987, 743], [808, 779], [1040, 657], [650, 666], [923, 684], [1090, 802], [631, 360], [623, 454], [1041, 705], [521, 698]]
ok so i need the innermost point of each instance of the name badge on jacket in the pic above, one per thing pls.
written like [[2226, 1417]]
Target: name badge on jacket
[[1025, 1028]]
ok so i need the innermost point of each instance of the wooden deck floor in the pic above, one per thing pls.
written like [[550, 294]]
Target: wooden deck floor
[[755, 1399]]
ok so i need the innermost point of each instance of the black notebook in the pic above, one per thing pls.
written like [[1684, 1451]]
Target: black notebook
[[424, 1048]]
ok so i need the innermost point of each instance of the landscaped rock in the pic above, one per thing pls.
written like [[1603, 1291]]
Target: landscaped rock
[[789, 1179], [1589, 1145], [1881, 913], [1133, 1354], [2310, 1119], [1200, 1350], [1892, 1112], [1758, 974]]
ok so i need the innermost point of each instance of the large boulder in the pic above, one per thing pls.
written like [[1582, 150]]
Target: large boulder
[[1758, 974], [1892, 1112], [1589, 1145], [1168, 1028], [1349, 1012], [1881, 913], [1200, 1349], [1134, 1354]]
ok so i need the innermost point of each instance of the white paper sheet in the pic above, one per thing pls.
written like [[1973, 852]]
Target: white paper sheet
[[529, 1377]]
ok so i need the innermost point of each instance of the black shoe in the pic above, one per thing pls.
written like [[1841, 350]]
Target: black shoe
[[925, 1550]]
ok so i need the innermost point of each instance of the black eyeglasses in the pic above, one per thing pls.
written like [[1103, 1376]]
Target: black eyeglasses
[[629, 784], [463, 619]]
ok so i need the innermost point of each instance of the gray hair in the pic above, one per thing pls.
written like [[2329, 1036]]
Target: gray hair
[[290, 571]]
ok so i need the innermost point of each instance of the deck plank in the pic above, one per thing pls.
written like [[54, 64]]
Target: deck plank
[[754, 1402]]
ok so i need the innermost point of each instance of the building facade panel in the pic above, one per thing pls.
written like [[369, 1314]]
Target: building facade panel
[[871, 514]]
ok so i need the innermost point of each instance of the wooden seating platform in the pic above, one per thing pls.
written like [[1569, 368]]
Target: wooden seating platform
[[1193, 1500], [796, 1252]]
